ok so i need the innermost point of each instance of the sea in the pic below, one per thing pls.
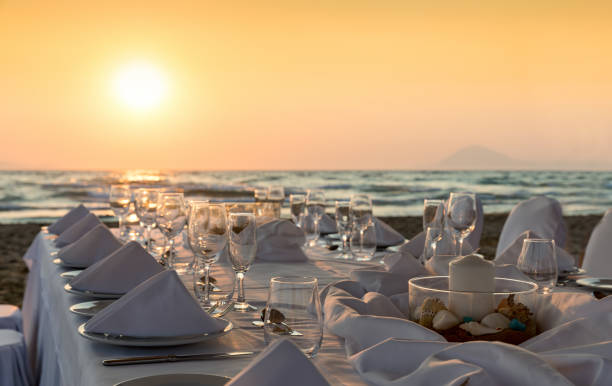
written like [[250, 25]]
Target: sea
[[42, 196]]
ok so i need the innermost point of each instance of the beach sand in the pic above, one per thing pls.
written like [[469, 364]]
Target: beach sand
[[16, 238]]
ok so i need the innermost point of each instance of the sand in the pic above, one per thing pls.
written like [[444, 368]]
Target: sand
[[16, 238]]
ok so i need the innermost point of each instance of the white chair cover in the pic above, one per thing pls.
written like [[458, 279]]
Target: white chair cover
[[10, 317], [14, 368], [598, 255], [540, 214]]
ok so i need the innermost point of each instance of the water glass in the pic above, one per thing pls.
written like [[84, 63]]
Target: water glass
[[363, 241], [120, 197], [538, 260], [461, 216], [242, 249], [433, 210], [293, 310], [343, 225], [315, 209], [171, 217], [432, 236], [260, 194], [276, 195], [145, 200], [297, 205]]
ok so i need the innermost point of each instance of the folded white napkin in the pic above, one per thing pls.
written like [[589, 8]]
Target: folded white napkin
[[385, 235], [597, 257], [280, 240], [73, 215], [281, 363], [77, 230], [541, 215], [327, 225], [92, 247], [576, 344], [159, 307], [510, 255], [119, 272]]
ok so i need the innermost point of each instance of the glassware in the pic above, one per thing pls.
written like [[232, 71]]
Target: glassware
[[433, 210], [119, 198], [361, 214], [146, 207], [433, 234], [315, 208], [363, 241], [538, 260], [343, 224], [171, 217], [260, 194], [297, 204], [276, 194], [207, 231], [293, 310], [461, 216], [242, 248]]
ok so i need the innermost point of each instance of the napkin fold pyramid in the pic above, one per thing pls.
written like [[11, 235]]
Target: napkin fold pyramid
[[118, 272], [77, 230], [280, 240], [92, 247], [281, 363], [73, 215], [159, 307], [385, 235]]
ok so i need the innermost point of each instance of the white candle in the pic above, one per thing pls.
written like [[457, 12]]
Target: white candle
[[473, 278]]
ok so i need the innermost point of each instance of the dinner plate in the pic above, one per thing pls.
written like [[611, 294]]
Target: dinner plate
[[71, 274], [91, 294], [572, 272], [123, 340], [600, 283], [177, 379], [90, 308], [61, 262]]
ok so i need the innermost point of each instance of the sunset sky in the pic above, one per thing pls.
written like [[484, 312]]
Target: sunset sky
[[303, 84]]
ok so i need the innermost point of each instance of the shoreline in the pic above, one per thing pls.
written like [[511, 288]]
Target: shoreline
[[16, 238]]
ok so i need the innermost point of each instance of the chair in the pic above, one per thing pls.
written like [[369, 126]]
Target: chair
[[10, 317], [14, 369], [597, 258]]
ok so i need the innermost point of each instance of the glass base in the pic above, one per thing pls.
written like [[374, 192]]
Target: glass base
[[344, 256], [243, 307]]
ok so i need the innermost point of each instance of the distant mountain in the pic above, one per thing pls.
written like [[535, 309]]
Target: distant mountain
[[480, 157]]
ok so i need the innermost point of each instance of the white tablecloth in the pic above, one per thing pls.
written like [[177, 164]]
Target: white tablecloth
[[60, 356]]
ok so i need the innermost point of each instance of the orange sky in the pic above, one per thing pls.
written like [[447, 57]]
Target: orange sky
[[306, 85]]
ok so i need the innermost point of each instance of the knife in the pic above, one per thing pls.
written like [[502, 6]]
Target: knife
[[174, 358]]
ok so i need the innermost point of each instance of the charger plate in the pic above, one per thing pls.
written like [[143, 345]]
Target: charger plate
[[600, 283], [91, 294], [90, 308], [177, 380]]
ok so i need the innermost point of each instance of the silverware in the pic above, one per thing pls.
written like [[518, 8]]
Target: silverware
[[174, 358]]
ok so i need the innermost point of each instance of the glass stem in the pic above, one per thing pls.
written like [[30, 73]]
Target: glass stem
[[461, 246], [316, 229], [240, 277], [148, 237], [206, 283], [121, 220], [171, 254]]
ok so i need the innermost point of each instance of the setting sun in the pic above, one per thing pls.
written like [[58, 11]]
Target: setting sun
[[140, 86]]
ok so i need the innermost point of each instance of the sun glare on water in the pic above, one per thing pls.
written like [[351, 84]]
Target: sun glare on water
[[140, 86]]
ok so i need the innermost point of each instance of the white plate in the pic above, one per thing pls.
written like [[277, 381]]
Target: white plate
[[91, 294], [572, 272], [177, 379], [71, 274], [90, 308], [600, 283], [152, 342], [61, 262]]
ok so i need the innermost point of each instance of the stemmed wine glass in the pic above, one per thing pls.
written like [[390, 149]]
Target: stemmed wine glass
[[146, 209], [360, 212], [538, 260], [171, 217], [242, 247], [297, 204], [461, 215], [207, 231], [120, 197], [315, 207], [343, 224], [433, 210]]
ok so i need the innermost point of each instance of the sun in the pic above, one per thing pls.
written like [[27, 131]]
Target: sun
[[140, 85]]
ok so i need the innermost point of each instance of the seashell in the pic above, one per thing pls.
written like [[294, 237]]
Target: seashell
[[477, 329], [512, 310], [495, 320], [444, 319], [428, 310]]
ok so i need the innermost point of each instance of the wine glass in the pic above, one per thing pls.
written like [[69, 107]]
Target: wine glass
[[538, 260], [297, 204], [343, 224], [207, 231], [171, 217], [146, 207], [360, 212], [461, 216], [242, 248], [276, 194], [293, 310], [433, 210], [120, 197], [433, 234], [315, 208]]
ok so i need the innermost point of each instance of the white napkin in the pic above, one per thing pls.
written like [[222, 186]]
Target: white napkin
[[385, 235], [77, 230], [159, 307], [597, 257], [73, 215], [92, 247], [327, 225], [280, 240], [540, 214], [119, 272], [510, 255], [281, 363]]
